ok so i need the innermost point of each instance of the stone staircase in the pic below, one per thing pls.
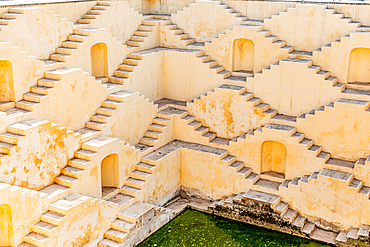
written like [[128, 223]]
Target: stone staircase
[[103, 115], [74, 41], [9, 140], [203, 135], [276, 210], [158, 133], [9, 17], [183, 40], [91, 15], [324, 74], [128, 222], [59, 213], [141, 38]]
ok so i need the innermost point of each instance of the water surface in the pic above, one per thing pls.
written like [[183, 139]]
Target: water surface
[[193, 228]]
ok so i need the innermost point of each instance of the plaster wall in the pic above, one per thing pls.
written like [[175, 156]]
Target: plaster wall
[[36, 30], [204, 20], [336, 58], [72, 10], [249, 150], [132, 117], [207, 174], [341, 130], [293, 87], [164, 6], [25, 69], [148, 77], [119, 19], [259, 10], [74, 98], [23, 216], [332, 200], [265, 51], [81, 57], [165, 179], [85, 219], [39, 155], [186, 77], [227, 113], [308, 27]]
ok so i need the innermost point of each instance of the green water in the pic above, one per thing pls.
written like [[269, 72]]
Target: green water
[[193, 228]]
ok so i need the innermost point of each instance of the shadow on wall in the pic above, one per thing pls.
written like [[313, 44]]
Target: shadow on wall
[[6, 226], [243, 55], [359, 66], [110, 171], [6, 81], [99, 60], [273, 158]]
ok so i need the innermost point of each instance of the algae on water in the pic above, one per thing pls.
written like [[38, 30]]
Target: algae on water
[[193, 228]]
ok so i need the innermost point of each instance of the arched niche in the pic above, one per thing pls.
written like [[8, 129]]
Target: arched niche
[[359, 66], [99, 60], [273, 158], [110, 171], [6, 226], [243, 55], [6, 81]]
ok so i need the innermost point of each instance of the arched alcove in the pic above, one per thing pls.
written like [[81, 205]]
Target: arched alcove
[[6, 226], [243, 55], [359, 66], [109, 171], [273, 158], [6, 81], [99, 60]]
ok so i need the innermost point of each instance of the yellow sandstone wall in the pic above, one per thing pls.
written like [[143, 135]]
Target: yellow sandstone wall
[[341, 129], [308, 27], [132, 117], [15, 204], [38, 155], [23, 72], [228, 113], [204, 20], [36, 30], [293, 87], [119, 19], [75, 96]]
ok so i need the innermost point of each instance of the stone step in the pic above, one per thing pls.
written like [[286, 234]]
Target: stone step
[[135, 183], [131, 191], [55, 192], [308, 228], [36, 239], [109, 243], [264, 183], [290, 215], [123, 200], [145, 167], [65, 180], [78, 163], [262, 197], [142, 175], [116, 235], [281, 208], [88, 134], [72, 172], [122, 225], [324, 236], [148, 140], [6, 147], [138, 212], [43, 228], [11, 138]]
